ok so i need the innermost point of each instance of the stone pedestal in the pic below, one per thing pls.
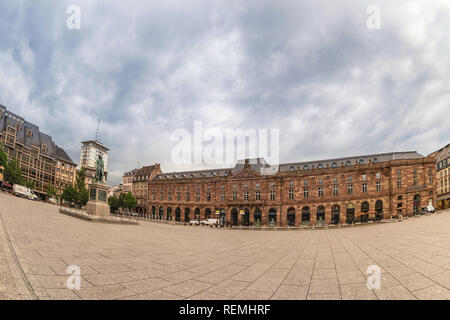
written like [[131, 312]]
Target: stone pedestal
[[97, 204]]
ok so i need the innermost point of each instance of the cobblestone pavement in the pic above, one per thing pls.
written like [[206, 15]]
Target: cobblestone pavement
[[157, 261]]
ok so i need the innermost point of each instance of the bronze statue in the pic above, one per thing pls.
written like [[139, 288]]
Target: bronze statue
[[100, 169]]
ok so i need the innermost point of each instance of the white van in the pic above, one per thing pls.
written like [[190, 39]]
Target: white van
[[23, 192]]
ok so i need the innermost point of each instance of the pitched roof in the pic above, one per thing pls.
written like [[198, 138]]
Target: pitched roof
[[260, 166], [36, 138]]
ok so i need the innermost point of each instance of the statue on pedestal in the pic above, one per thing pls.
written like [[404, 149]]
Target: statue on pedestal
[[99, 170]]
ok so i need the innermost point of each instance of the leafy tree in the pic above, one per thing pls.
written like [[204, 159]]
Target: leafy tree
[[114, 203], [51, 192], [13, 173], [82, 193], [83, 197], [129, 201], [30, 184], [3, 156], [69, 194]]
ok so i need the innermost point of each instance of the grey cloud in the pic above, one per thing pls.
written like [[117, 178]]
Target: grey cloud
[[311, 69]]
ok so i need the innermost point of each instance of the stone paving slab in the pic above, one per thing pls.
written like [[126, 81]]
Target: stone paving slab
[[162, 261]]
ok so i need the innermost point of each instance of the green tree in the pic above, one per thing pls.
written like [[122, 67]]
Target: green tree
[[51, 192], [82, 196], [129, 201], [30, 184], [3, 156], [69, 194], [13, 173], [114, 203]]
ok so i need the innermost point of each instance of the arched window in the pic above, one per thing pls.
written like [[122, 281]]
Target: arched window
[[350, 213], [177, 214], [257, 217], [335, 214], [320, 215], [272, 217], [291, 217], [234, 217], [365, 207], [306, 215], [348, 163]]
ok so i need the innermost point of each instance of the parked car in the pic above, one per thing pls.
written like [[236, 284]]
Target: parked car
[[209, 222], [195, 222], [23, 192]]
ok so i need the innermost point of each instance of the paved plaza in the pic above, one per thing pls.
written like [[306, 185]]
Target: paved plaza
[[159, 261]]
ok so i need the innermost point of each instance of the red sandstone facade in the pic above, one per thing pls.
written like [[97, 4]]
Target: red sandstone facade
[[335, 191]]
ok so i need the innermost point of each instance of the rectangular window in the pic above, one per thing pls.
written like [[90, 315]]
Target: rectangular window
[[378, 175], [364, 187], [272, 195], [188, 196], [335, 190], [234, 195], [364, 177], [291, 194], [378, 186], [258, 195], [197, 196], [320, 181], [415, 180], [320, 192], [208, 196], [350, 189], [305, 193], [246, 196], [178, 195], [350, 179], [399, 183], [305, 182], [222, 196]]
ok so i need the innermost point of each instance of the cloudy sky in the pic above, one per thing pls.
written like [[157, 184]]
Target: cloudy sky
[[312, 69]]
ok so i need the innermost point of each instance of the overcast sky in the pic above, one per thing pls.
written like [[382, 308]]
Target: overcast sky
[[311, 69]]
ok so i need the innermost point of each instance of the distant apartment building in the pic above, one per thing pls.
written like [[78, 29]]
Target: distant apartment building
[[127, 180], [139, 187], [90, 150], [443, 177], [40, 159]]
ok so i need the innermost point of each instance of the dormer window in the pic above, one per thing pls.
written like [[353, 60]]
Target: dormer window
[[334, 165], [44, 147], [319, 166], [361, 161], [29, 133], [17, 127], [348, 163], [305, 167], [292, 168], [375, 160]]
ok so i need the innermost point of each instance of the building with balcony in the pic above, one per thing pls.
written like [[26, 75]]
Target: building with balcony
[[40, 159]]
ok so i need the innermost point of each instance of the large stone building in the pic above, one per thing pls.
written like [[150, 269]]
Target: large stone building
[[443, 177], [139, 187], [40, 159], [334, 191], [90, 150]]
